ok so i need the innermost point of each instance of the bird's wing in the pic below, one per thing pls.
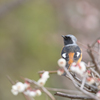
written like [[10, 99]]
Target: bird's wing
[[64, 54], [77, 53]]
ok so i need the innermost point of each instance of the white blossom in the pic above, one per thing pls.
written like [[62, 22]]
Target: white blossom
[[45, 75], [90, 80], [62, 62], [38, 92], [32, 94], [20, 86], [27, 85], [78, 68], [14, 92], [43, 79], [98, 94], [60, 71]]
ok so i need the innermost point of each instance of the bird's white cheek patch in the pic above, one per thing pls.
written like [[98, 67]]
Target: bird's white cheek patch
[[78, 53], [64, 55]]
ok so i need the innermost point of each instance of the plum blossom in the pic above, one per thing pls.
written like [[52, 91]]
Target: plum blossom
[[78, 68], [62, 62], [60, 71], [43, 78]]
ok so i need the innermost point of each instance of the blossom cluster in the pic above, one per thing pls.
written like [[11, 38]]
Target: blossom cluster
[[26, 88]]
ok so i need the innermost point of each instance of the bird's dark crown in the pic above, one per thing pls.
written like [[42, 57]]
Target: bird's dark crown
[[69, 39]]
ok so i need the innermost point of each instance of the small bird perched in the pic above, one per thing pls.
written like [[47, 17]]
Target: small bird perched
[[71, 51]]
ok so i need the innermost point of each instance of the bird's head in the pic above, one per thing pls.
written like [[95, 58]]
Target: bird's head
[[69, 39]]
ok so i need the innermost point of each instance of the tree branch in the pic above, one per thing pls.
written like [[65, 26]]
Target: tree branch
[[72, 96]]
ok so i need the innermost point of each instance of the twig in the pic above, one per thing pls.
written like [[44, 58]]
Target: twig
[[91, 88], [95, 42], [83, 81], [42, 88], [87, 47], [72, 96], [93, 58], [63, 90], [95, 72], [11, 81]]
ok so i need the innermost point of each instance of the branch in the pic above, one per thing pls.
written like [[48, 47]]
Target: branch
[[74, 82], [63, 90], [72, 96], [95, 72], [86, 47], [91, 88], [95, 42], [93, 58], [10, 80]]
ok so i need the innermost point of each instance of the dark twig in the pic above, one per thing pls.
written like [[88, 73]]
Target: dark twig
[[72, 96]]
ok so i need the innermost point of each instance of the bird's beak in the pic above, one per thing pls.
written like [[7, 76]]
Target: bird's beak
[[63, 36]]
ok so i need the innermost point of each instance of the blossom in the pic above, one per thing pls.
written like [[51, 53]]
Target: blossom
[[45, 75], [14, 92], [62, 62], [98, 94], [38, 92], [60, 71], [43, 79], [18, 87], [27, 85], [90, 80], [98, 41], [32, 93], [79, 68]]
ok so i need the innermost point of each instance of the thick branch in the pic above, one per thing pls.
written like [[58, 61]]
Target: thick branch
[[72, 96], [64, 90]]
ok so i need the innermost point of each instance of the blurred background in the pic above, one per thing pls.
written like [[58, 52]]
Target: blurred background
[[30, 38]]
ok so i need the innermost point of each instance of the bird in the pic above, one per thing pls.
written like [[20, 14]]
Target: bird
[[71, 52]]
